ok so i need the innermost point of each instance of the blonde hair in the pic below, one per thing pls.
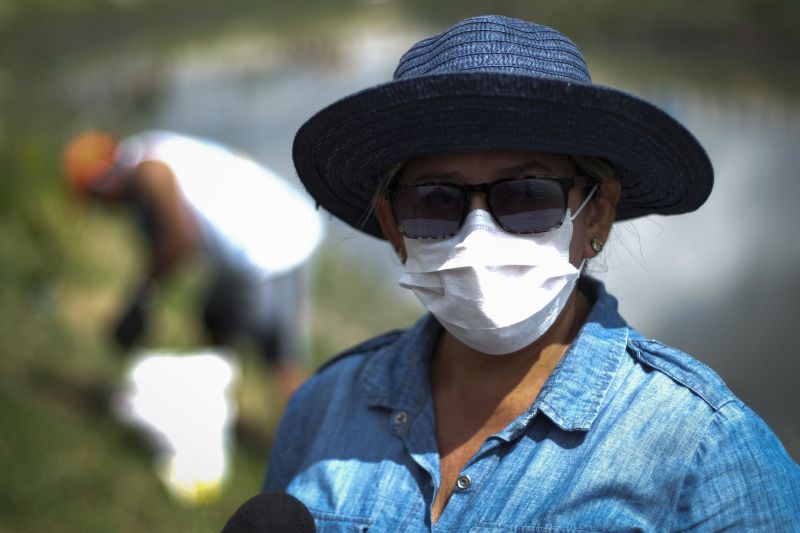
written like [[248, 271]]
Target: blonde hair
[[388, 179], [383, 185]]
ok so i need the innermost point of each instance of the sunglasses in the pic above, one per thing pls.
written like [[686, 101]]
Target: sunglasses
[[531, 204]]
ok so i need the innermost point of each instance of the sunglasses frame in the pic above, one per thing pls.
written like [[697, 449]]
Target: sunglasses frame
[[567, 183]]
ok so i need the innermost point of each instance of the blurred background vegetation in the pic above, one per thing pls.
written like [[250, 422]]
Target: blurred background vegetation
[[65, 464]]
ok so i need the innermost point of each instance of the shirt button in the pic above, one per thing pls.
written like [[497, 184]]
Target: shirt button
[[463, 482], [400, 418]]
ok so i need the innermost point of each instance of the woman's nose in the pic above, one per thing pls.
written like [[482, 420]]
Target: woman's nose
[[477, 200]]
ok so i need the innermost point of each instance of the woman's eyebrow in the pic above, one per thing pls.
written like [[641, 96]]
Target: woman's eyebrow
[[528, 167], [432, 176]]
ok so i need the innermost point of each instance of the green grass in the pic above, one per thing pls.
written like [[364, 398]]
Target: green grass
[[68, 470], [65, 463]]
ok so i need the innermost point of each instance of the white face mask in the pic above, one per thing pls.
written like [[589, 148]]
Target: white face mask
[[495, 291]]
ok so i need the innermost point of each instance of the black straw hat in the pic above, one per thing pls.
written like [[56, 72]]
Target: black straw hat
[[497, 83]]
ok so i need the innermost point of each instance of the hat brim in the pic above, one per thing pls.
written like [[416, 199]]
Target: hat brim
[[343, 152]]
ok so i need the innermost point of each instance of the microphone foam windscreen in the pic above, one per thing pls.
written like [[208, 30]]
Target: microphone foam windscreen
[[271, 512]]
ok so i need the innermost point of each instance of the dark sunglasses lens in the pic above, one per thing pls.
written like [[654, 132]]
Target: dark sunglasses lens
[[528, 205], [429, 210]]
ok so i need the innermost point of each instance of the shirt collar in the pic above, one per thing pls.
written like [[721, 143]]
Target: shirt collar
[[574, 392], [396, 376]]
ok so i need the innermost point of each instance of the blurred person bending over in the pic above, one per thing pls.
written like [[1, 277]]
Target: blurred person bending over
[[194, 195]]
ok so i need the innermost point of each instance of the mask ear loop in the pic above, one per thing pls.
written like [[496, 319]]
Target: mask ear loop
[[577, 212], [585, 201]]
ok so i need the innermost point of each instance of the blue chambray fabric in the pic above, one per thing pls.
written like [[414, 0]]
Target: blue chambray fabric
[[627, 435]]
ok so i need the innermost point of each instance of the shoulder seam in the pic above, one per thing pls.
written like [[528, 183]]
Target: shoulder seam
[[653, 362], [371, 345]]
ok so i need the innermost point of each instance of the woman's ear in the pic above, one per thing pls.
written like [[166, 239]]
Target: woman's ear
[[600, 216], [385, 216]]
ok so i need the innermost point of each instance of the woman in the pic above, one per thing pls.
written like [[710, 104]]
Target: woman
[[523, 401]]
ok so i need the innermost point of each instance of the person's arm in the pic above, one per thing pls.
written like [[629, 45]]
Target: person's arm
[[741, 478], [153, 184], [177, 237]]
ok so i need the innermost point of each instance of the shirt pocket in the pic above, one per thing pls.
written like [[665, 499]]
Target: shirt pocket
[[335, 523]]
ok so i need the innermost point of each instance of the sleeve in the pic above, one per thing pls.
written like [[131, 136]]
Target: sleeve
[[286, 453], [740, 479], [279, 470]]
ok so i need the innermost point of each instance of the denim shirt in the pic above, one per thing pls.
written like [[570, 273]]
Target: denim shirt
[[627, 434]]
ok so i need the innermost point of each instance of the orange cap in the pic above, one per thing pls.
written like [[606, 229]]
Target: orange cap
[[87, 157]]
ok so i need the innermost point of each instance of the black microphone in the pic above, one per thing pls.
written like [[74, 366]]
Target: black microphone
[[271, 512]]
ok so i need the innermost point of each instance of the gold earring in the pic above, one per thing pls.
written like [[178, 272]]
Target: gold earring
[[597, 244]]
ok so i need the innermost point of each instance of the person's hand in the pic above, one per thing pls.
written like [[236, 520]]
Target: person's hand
[[130, 326], [132, 323]]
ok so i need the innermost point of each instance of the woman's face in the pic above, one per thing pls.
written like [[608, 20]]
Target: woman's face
[[472, 168]]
